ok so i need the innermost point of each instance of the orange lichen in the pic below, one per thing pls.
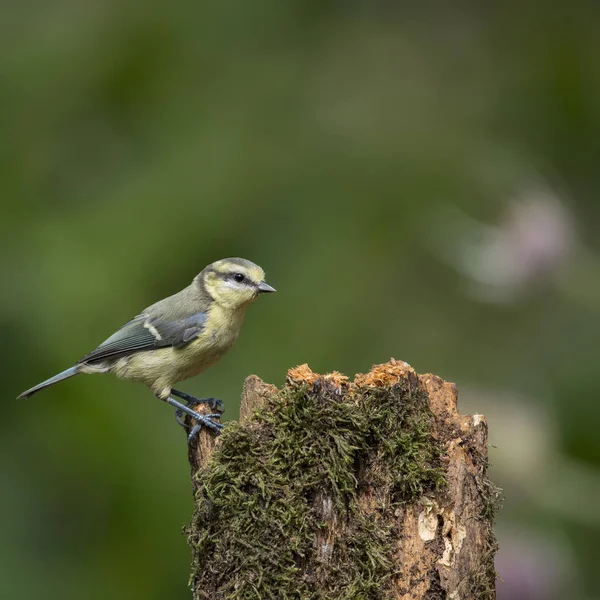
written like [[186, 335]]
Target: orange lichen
[[304, 374], [338, 379], [385, 374], [301, 374]]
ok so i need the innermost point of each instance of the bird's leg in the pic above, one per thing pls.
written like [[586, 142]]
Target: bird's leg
[[214, 403], [206, 420]]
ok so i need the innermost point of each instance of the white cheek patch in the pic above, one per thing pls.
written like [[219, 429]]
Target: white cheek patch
[[233, 285]]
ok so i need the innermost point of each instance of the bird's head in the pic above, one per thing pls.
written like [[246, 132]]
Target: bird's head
[[234, 282]]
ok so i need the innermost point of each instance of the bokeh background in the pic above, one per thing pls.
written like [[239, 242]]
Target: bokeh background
[[418, 182]]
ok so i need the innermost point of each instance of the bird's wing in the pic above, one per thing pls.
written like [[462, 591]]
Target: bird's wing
[[145, 332]]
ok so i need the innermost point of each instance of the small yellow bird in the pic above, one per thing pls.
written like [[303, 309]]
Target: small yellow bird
[[179, 337]]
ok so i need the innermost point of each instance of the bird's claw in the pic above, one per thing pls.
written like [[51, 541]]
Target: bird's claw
[[206, 420], [214, 403], [217, 404], [193, 433]]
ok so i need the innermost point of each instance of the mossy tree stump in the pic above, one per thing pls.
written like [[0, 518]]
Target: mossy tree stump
[[327, 489]]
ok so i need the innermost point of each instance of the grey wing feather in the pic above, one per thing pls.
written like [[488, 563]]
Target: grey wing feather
[[148, 333], [178, 332]]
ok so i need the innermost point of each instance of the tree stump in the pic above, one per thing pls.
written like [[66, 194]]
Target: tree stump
[[327, 488]]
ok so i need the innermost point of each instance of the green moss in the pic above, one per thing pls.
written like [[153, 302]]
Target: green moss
[[482, 578], [278, 488], [405, 462], [491, 497]]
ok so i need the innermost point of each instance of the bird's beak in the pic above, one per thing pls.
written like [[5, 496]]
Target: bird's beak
[[265, 288]]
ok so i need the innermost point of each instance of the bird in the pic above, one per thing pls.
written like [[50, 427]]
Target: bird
[[178, 337]]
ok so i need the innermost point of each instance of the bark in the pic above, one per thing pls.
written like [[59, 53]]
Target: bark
[[384, 480]]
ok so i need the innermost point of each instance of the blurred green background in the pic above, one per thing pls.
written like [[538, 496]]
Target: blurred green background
[[418, 182]]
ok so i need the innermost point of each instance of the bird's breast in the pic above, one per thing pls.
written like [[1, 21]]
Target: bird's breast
[[219, 334]]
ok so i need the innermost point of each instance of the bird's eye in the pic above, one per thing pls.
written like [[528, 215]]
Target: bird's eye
[[239, 277]]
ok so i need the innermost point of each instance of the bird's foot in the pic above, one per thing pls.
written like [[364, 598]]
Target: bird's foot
[[201, 420], [214, 403], [195, 429]]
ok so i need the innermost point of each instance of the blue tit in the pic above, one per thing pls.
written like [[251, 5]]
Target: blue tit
[[179, 337]]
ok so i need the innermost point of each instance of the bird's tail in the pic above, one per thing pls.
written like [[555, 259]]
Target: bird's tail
[[40, 386]]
